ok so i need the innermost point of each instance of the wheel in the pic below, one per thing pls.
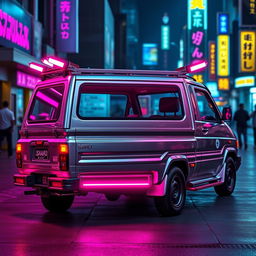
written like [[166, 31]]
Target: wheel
[[57, 203], [173, 201], [227, 188], [112, 197]]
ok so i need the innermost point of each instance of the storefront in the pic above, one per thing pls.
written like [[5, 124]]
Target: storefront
[[18, 44]]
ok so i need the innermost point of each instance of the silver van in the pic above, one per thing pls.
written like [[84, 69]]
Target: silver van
[[157, 133]]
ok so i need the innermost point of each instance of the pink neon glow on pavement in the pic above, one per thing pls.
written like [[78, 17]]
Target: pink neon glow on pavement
[[114, 184], [47, 99], [197, 67], [46, 62], [36, 67], [56, 62]]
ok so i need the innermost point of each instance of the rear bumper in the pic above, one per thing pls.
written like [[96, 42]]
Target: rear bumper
[[125, 183], [46, 182]]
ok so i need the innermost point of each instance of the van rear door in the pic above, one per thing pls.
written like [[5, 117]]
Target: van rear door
[[42, 131]]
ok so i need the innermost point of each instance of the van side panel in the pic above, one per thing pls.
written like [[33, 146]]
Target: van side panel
[[131, 145]]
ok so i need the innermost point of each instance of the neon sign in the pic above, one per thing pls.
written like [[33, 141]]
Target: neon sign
[[222, 23], [247, 51], [223, 55], [67, 25], [212, 60], [247, 10], [165, 37], [223, 84], [25, 80], [15, 26], [197, 26], [245, 81]]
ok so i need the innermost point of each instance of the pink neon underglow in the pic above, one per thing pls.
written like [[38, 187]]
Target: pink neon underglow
[[115, 184], [197, 67], [46, 62], [47, 99], [56, 62], [36, 67]]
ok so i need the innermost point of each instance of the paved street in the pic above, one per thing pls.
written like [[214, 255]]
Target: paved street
[[209, 225]]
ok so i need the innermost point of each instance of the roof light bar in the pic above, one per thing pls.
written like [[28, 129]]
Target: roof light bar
[[197, 67], [56, 62], [36, 67], [193, 68], [46, 62]]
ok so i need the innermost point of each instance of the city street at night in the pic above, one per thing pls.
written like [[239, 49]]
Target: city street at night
[[127, 127], [208, 225]]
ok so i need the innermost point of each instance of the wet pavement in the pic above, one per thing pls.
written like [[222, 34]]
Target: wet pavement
[[209, 225]]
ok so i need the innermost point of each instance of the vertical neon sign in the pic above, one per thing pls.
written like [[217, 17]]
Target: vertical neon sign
[[197, 27], [247, 51], [212, 60], [67, 26]]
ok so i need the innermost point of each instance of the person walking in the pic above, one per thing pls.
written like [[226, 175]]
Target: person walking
[[253, 116], [6, 126], [241, 117]]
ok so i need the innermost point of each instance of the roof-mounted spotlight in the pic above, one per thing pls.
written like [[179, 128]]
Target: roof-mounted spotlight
[[36, 67], [56, 62], [46, 62], [193, 68]]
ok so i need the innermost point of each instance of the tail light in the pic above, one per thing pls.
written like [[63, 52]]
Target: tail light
[[63, 157], [19, 155]]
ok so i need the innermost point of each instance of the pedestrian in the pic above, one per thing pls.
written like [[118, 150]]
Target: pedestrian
[[253, 116], [6, 126], [241, 117]]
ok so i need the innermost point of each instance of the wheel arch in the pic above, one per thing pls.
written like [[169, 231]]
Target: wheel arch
[[177, 161], [232, 152]]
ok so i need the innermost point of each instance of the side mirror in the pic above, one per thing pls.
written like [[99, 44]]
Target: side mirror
[[227, 114]]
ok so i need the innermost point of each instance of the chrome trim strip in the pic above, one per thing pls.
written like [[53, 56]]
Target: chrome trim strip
[[222, 138]]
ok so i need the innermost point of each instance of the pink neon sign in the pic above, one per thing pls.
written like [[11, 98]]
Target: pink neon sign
[[65, 7], [14, 31], [25, 80]]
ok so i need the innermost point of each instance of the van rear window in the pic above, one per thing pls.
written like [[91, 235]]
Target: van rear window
[[46, 104]]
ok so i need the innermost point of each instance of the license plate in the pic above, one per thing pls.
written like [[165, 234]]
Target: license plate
[[41, 154]]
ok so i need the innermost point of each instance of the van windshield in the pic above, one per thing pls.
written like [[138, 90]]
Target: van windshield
[[46, 104]]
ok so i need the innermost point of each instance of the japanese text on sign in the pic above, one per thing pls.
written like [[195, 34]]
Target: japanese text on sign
[[67, 31], [247, 51], [223, 55], [222, 23], [212, 60], [65, 7], [223, 84], [247, 13]]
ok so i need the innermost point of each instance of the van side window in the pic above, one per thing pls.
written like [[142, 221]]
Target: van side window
[[98, 105], [166, 105], [206, 108]]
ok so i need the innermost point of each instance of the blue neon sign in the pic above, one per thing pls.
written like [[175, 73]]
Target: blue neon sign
[[222, 23]]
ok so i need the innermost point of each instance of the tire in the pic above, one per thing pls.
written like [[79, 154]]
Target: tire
[[112, 197], [57, 203], [227, 188], [173, 201]]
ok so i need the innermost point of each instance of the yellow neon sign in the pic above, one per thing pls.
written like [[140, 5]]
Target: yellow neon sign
[[247, 51], [223, 84], [199, 78], [197, 4], [223, 55]]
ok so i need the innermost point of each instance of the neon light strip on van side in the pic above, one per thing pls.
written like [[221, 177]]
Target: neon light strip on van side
[[115, 184]]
